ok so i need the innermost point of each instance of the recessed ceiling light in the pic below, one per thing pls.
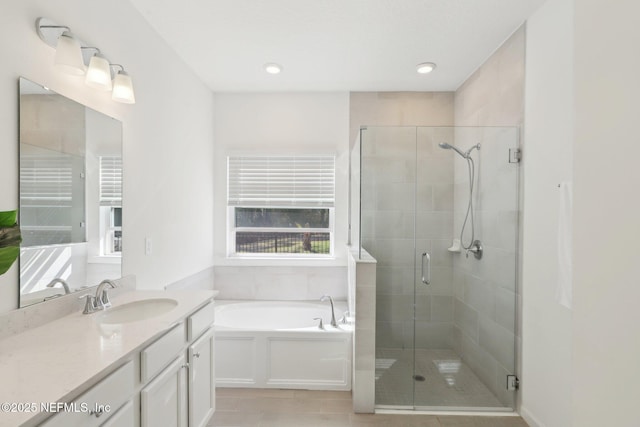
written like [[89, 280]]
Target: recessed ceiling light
[[272, 68], [425, 67]]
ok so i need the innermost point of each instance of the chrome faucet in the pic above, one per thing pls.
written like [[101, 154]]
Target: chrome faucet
[[64, 284], [102, 298], [333, 313]]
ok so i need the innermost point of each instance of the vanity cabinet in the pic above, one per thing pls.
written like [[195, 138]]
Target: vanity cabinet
[[202, 381], [125, 417], [169, 381], [164, 401], [96, 406], [182, 394]]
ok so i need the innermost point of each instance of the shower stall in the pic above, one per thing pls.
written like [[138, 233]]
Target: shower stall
[[437, 207]]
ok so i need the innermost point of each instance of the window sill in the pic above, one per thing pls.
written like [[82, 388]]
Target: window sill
[[327, 261]]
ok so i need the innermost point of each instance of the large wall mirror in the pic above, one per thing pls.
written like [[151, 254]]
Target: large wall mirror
[[70, 195]]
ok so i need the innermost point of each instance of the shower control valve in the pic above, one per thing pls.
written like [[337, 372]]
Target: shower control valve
[[475, 249]]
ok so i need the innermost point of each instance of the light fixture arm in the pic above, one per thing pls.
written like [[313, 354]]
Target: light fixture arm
[[49, 37], [55, 26], [117, 65], [90, 47]]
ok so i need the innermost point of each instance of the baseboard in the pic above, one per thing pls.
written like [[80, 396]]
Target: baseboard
[[529, 418]]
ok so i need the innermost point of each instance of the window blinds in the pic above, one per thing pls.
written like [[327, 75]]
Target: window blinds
[[110, 180], [297, 181], [46, 180]]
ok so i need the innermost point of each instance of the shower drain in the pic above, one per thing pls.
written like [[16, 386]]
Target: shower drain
[[418, 378]]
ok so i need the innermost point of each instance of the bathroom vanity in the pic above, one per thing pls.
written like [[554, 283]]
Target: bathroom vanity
[[147, 361]]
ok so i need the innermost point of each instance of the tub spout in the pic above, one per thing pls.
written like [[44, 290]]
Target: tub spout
[[333, 313]]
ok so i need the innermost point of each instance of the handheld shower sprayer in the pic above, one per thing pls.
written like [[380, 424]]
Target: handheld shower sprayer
[[464, 155], [451, 147], [474, 245]]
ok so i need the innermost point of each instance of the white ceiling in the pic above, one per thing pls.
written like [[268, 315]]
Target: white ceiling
[[335, 45]]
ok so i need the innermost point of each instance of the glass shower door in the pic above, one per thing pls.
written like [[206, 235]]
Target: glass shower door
[[465, 317], [445, 321]]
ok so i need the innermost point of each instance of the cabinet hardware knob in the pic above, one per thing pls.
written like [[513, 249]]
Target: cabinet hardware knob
[[196, 354], [98, 413], [186, 366]]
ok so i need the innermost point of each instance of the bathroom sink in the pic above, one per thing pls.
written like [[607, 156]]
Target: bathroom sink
[[137, 310]]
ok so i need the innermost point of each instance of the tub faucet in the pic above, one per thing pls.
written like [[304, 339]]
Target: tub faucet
[[102, 298], [333, 313], [64, 284]]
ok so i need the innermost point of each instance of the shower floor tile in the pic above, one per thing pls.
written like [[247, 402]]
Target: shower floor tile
[[448, 381]]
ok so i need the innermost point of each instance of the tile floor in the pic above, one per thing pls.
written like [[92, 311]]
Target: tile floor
[[237, 407], [448, 381]]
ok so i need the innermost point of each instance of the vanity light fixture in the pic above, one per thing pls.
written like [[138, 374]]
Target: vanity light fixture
[[123, 87], [272, 68], [99, 72], [425, 67], [69, 56]]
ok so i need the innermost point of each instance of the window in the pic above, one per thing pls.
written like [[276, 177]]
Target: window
[[51, 197], [111, 204], [281, 206]]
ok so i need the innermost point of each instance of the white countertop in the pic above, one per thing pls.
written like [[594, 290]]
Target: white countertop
[[58, 361]]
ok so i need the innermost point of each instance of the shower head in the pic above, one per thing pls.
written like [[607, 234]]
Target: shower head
[[451, 147], [464, 155]]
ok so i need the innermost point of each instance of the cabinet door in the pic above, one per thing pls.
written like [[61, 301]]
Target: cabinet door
[[202, 384], [163, 401]]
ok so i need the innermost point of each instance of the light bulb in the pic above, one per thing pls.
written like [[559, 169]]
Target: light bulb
[[123, 88], [99, 73], [272, 68], [69, 55], [425, 67]]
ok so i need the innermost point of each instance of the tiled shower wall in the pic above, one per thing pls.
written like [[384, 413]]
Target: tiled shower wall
[[395, 272], [486, 294], [407, 190]]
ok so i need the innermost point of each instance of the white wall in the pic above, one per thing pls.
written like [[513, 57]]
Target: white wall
[[281, 123], [606, 318], [546, 373], [167, 137]]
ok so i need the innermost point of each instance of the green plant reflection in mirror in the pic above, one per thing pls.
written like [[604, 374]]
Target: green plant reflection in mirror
[[10, 239]]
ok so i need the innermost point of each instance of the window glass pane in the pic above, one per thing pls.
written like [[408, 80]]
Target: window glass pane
[[282, 218], [117, 241], [117, 217], [296, 243]]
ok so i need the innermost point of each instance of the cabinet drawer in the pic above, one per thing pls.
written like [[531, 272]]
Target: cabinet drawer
[[200, 321], [113, 391], [159, 354], [125, 417]]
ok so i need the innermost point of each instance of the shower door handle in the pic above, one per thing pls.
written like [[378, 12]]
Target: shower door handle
[[426, 280]]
